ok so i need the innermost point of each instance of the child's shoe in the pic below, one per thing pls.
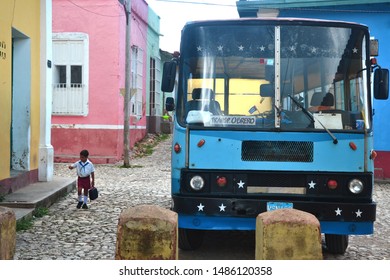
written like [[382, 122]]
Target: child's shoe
[[85, 206], [79, 204]]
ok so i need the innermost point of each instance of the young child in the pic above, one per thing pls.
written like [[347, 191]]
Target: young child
[[86, 177]]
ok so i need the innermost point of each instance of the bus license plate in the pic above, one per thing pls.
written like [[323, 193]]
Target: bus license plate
[[278, 205]]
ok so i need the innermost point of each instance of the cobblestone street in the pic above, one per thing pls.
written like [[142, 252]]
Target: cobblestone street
[[70, 233]]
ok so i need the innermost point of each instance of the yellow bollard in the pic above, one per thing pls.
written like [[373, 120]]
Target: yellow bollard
[[147, 232], [7, 233], [288, 234]]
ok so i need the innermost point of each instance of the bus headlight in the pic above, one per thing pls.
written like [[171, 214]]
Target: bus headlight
[[355, 186], [197, 183]]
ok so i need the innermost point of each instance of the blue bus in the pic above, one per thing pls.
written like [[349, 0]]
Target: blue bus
[[269, 114]]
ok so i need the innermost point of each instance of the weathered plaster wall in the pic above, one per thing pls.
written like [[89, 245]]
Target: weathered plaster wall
[[25, 18]]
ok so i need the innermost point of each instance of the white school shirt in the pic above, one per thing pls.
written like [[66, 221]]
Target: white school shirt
[[84, 169]]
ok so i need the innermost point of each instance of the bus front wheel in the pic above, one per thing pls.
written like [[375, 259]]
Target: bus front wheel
[[336, 243], [190, 239]]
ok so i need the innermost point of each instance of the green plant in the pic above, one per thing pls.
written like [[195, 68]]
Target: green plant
[[146, 146], [40, 212], [27, 222], [24, 224], [163, 137]]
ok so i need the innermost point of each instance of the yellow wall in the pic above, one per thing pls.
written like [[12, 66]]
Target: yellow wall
[[23, 15]]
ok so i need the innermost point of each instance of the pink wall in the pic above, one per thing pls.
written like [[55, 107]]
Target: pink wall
[[105, 52], [101, 131]]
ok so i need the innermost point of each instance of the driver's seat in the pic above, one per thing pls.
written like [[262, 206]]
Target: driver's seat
[[203, 99]]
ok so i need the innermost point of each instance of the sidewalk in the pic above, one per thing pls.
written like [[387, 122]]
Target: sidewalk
[[40, 194]]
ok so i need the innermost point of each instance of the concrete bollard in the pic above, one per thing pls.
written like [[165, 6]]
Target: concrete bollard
[[7, 233], [147, 232], [288, 234]]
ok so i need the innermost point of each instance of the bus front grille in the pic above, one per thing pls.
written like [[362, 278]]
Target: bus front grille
[[289, 151]]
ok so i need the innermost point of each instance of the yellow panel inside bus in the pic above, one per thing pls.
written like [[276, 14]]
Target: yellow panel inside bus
[[244, 94]]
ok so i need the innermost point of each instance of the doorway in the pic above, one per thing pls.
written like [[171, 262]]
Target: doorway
[[21, 103]]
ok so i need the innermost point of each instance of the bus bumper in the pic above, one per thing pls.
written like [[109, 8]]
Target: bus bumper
[[240, 214], [231, 223]]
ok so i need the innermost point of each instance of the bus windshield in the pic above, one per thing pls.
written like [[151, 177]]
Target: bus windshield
[[289, 77]]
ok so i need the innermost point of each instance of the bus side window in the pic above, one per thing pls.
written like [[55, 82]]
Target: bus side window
[[319, 102]]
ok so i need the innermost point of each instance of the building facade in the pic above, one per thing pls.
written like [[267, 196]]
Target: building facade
[[26, 154], [375, 14], [154, 97], [89, 70]]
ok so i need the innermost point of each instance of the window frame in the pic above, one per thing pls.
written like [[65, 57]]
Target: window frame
[[71, 99]]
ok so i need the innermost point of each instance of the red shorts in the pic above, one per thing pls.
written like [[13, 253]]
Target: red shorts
[[84, 183]]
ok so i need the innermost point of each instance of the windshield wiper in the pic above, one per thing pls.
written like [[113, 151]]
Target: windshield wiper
[[313, 118], [307, 113]]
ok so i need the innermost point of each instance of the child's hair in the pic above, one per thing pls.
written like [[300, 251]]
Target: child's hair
[[84, 153]]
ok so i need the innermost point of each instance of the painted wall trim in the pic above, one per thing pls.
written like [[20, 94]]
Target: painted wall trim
[[95, 126], [46, 150]]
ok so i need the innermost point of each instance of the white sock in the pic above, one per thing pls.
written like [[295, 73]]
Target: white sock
[[85, 199], [80, 198]]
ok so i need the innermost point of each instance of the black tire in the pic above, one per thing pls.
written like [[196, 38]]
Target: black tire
[[336, 243], [190, 239]]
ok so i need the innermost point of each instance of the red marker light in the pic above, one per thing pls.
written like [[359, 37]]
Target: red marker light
[[332, 184], [353, 146], [201, 142], [221, 181], [177, 148], [373, 155]]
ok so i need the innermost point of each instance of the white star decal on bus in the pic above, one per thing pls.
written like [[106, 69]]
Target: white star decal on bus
[[200, 207], [241, 184], [358, 213], [338, 211], [241, 48], [220, 48], [355, 50], [199, 48], [292, 48], [312, 185], [222, 208], [262, 48]]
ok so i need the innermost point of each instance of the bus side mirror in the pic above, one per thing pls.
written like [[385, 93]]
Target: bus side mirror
[[169, 104], [169, 76], [381, 83]]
